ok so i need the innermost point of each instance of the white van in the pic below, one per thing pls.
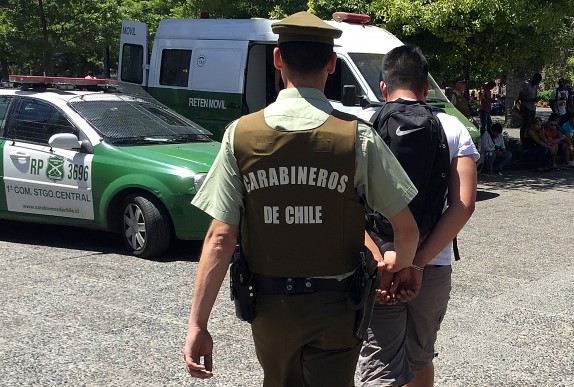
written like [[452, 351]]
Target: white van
[[214, 70]]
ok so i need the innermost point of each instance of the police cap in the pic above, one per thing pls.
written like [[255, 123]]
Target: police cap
[[305, 27]]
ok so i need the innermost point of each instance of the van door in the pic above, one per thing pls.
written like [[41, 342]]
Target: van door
[[133, 57], [345, 75], [201, 79]]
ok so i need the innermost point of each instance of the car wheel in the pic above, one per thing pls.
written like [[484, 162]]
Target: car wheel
[[145, 226]]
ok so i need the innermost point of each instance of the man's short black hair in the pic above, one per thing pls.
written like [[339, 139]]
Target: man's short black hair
[[536, 78], [496, 127], [554, 117], [305, 57], [405, 67]]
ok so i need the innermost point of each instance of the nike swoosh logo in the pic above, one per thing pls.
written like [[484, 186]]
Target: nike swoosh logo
[[405, 132]]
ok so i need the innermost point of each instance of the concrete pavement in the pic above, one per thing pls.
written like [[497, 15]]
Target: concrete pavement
[[75, 310]]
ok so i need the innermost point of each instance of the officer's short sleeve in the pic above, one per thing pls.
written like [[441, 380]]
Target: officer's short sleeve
[[221, 195], [385, 184]]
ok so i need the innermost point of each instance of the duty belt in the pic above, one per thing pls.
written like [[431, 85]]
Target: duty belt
[[265, 285]]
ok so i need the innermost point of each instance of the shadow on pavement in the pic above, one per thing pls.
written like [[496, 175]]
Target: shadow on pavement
[[485, 195], [76, 238], [525, 179]]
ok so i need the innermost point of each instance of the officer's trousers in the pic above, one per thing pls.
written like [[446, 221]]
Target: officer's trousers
[[306, 340]]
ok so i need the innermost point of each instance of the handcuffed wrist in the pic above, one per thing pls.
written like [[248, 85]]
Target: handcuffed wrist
[[417, 268]]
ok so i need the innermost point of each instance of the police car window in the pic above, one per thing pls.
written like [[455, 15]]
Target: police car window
[[35, 121], [4, 106], [126, 120], [341, 77], [132, 63], [174, 69]]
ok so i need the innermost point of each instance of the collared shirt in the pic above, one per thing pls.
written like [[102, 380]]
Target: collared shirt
[[378, 174], [529, 91]]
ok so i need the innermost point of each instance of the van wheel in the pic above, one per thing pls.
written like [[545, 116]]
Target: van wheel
[[145, 226]]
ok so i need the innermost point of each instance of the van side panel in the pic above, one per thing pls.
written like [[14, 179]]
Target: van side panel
[[215, 73], [211, 110]]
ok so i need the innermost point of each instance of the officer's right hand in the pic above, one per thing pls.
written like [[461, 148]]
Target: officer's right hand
[[198, 344]]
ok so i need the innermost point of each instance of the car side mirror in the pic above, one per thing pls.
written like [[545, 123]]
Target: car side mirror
[[349, 97], [67, 141]]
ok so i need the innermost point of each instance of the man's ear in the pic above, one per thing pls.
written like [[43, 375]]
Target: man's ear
[[384, 90], [332, 65], [277, 60]]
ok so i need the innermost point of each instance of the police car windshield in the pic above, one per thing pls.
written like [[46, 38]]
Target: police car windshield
[[369, 65], [131, 121]]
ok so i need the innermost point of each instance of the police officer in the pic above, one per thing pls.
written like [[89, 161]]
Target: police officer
[[288, 176]]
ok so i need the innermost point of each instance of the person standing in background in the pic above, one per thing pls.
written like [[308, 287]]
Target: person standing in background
[[528, 97], [459, 98], [485, 107]]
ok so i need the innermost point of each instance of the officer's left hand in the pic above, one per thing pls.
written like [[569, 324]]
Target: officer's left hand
[[198, 344]]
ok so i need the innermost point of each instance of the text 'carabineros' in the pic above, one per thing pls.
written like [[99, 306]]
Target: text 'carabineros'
[[319, 177]]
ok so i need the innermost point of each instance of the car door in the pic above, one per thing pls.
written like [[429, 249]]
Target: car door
[[39, 179]]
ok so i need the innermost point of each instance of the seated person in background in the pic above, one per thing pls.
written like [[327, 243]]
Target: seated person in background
[[536, 147], [496, 156], [558, 139], [567, 129]]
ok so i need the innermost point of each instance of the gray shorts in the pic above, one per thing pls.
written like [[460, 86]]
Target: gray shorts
[[401, 338]]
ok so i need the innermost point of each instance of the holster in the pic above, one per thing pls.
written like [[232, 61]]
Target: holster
[[241, 286], [362, 292]]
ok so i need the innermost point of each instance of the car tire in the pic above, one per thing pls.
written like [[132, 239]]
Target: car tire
[[145, 226]]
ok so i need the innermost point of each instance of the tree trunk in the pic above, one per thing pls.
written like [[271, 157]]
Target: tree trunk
[[47, 54], [513, 83]]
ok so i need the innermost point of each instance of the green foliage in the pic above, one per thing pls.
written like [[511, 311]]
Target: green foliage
[[482, 38], [478, 39], [52, 36], [544, 95]]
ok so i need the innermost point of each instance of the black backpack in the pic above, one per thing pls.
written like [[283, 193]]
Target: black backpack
[[416, 137]]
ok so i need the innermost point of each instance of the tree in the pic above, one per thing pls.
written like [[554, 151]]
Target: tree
[[52, 36], [481, 38]]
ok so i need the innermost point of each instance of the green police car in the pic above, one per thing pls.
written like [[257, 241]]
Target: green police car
[[101, 159]]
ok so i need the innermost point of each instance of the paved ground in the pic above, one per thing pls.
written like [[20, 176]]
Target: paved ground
[[76, 311]]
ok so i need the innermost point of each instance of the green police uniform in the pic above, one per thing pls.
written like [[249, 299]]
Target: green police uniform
[[387, 188], [303, 338]]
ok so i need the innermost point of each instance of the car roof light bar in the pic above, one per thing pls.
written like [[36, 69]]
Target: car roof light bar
[[62, 83], [349, 17]]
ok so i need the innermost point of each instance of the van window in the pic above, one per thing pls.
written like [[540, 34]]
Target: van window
[[174, 70], [369, 66], [341, 77], [132, 63]]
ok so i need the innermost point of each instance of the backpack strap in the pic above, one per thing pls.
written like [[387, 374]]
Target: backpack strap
[[455, 249]]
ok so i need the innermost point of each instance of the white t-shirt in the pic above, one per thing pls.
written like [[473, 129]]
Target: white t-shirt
[[460, 144], [561, 97]]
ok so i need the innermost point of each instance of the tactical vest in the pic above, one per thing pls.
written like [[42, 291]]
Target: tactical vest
[[303, 217]]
